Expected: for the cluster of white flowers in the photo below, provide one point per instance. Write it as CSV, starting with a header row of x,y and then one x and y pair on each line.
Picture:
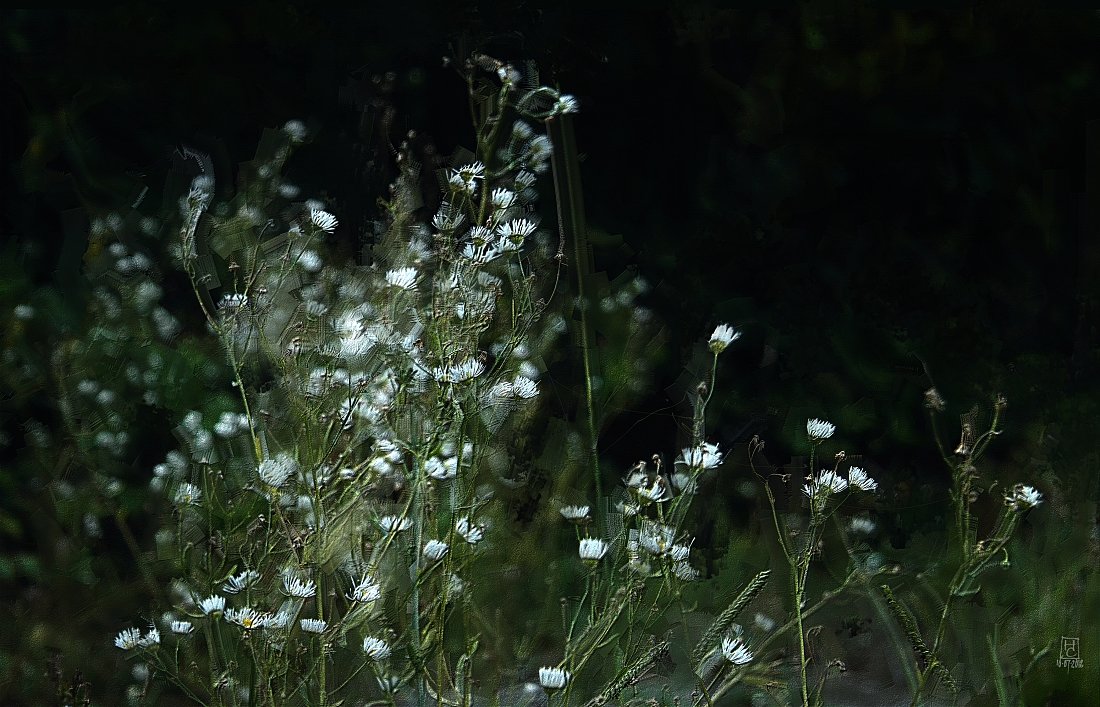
x,y
131,638
276,471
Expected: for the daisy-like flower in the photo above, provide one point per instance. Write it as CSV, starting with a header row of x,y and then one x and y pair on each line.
x,y
705,456
294,586
471,533
723,336
679,553
323,220
435,550
188,494
592,549
212,604
366,590
824,485
182,627
524,388
657,492
503,198
575,514
150,639
819,429
735,651
277,470
655,538
313,625
375,648
1022,497
516,230
467,370
553,678
470,172
128,639
685,572
239,582
278,620
394,524
403,278
247,618
859,479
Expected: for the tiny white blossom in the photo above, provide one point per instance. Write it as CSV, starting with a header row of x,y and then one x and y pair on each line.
x,y
182,627
435,549
566,104
723,336
705,456
150,639
403,278
376,648
188,494
313,625
212,604
553,678
735,651
442,469
239,582
524,388
1022,497
295,130
366,590
297,587
819,429
516,230
128,639
471,533
576,514
247,618
323,220
394,524
858,478
592,549
503,198
276,471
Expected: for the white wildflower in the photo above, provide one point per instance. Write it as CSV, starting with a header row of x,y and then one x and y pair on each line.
x,y
1022,497
150,639
575,514
394,524
366,590
435,550
212,604
735,651
182,627
275,471
471,533
442,469
566,104
503,198
313,625
705,456
247,618
858,478
376,648
685,572
403,278
723,336
239,582
525,388
188,494
553,678
592,549
128,639
861,525
323,220
295,586
819,429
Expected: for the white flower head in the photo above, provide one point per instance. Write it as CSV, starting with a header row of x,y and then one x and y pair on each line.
x,y
442,469
525,388
182,627
576,514
515,231
128,639
150,639
861,525
705,456
323,220
247,618
553,678
313,625
859,479
366,590
295,586
375,648
685,572
435,549
212,604
503,198
470,532
592,549
566,104
1022,497
188,494
819,429
239,582
822,486
723,336
403,278
275,471
735,651
394,524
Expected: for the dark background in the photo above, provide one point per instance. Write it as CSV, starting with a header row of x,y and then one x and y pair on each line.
x,y
871,195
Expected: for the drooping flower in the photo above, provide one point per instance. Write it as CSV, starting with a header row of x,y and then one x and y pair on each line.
x,y
735,651
366,590
239,582
212,604
705,456
723,336
313,625
403,278
295,586
819,429
470,532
